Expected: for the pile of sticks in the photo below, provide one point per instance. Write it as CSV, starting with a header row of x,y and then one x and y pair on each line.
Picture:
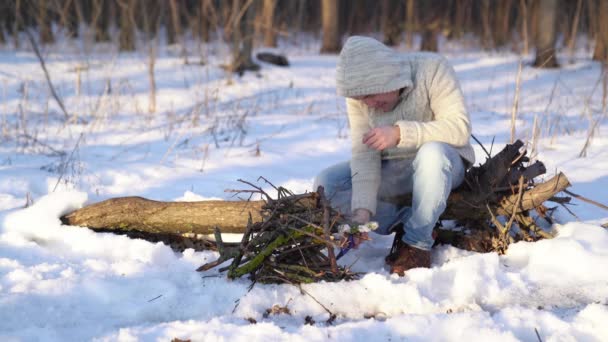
x,y
292,244
500,202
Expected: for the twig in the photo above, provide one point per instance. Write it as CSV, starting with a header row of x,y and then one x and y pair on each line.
x,y
330,252
314,236
516,101
480,144
497,223
331,314
584,199
538,335
155,298
46,74
54,152
517,204
310,234
256,187
570,211
68,161
268,182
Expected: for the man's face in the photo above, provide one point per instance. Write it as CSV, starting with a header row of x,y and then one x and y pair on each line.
x,y
384,101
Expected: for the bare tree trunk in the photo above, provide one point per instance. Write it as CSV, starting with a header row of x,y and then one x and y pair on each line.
x,y
209,19
429,40
546,35
330,18
390,21
177,28
268,23
44,23
127,25
301,13
2,37
410,15
100,20
486,33
68,17
18,24
501,21
600,52
242,21
175,18
431,25
151,23
574,29
460,18
524,17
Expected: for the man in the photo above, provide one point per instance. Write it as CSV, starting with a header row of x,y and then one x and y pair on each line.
x,y
410,134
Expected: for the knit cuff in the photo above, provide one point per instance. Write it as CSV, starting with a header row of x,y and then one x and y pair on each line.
x,y
408,132
364,197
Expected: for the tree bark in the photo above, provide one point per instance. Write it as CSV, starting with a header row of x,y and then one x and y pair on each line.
x,y
127,25
600,52
432,17
100,20
268,23
410,24
242,20
524,17
574,29
140,214
330,21
486,33
18,24
501,22
546,34
44,23
391,26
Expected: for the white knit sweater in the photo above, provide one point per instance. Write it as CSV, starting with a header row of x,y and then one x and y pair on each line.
x,y
431,108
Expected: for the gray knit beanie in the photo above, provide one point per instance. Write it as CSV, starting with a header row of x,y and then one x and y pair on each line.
x,y
366,66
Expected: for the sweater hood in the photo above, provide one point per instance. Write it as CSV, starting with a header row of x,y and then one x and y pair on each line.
x,y
366,66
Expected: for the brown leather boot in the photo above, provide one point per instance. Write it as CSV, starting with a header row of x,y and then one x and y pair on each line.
x,y
409,257
392,255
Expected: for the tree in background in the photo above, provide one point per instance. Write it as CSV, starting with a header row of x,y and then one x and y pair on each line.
x,y
493,22
100,19
600,53
44,23
430,21
331,42
127,24
546,34
391,21
268,23
241,27
410,23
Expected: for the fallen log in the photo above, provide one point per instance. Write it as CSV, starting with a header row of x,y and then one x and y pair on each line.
x,y
144,215
502,186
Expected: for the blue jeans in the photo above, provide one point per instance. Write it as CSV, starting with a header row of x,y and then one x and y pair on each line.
x,y
434,172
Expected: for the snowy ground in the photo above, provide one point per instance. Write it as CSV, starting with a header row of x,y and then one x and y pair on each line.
x,y
65,283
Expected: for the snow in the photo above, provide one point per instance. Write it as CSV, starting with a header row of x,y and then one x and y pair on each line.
x,y
286,124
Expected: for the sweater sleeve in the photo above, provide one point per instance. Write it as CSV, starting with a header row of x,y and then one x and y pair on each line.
x,y
365,162
451,123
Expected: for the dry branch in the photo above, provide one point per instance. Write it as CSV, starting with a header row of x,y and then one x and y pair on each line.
x,y
46,74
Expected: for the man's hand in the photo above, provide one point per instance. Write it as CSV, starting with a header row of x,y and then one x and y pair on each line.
x,y
381,138
361,216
